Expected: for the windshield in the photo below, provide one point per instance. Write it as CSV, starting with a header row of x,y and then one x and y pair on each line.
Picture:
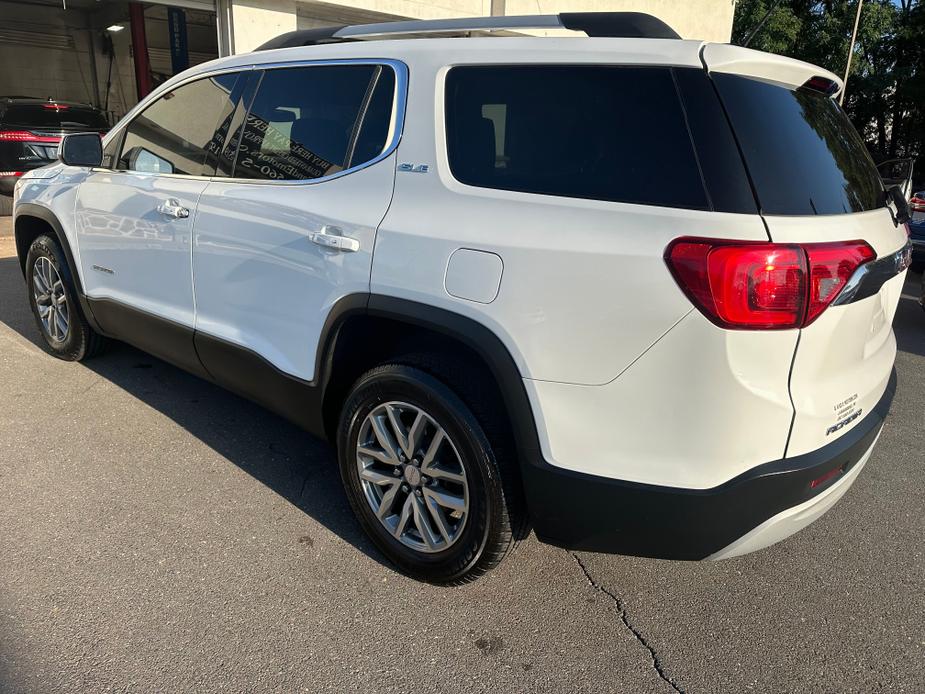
x,y
55,116
803,154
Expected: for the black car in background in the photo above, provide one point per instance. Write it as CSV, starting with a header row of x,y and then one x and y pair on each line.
x,y
30,130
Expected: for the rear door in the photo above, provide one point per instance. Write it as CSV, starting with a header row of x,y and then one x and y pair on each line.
x,y
291,232
816,183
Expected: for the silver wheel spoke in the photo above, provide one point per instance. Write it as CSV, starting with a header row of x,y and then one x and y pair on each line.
x,y
445,499
431,453
403,519
445,475
378,478
422,522
385,438
39,283
437,515
381,456
388,501
399,429
414,434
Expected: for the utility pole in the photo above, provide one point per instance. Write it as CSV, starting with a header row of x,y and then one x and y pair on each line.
x,y
854,35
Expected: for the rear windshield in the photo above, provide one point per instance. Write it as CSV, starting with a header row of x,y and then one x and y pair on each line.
x,y
608,133
48,116
803,154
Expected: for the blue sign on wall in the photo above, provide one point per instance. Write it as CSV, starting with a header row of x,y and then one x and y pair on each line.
x,y
179,48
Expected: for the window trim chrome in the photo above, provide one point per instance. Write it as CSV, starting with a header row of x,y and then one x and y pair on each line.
x,y
396,125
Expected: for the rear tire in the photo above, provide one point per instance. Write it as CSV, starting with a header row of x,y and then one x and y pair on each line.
x,y
54,303
445,516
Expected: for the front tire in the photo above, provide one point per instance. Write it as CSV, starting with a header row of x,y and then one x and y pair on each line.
x,y
53,299
421,476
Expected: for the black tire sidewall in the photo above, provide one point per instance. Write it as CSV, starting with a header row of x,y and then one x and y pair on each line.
x,y
486,498
75,346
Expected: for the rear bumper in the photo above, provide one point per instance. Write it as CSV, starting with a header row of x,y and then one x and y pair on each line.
x,y
755,509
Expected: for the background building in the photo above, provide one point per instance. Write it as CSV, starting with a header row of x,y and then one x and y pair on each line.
x,y
110,52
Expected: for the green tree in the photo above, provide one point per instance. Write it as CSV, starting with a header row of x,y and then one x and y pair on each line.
x,y
885,96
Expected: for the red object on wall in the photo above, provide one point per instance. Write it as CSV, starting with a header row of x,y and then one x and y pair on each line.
x,y
140,49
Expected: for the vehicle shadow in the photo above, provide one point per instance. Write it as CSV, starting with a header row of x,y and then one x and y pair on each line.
x,y
298,467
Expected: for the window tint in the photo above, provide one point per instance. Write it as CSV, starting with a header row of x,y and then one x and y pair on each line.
x,y
720,161
803,154
184,131
311,122
54,115
609,133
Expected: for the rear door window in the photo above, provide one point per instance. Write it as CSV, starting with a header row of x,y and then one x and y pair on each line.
x,y
804,156
184,131
315,121
601,132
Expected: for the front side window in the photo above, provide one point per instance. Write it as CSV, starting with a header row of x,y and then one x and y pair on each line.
x,y
600,132
184,131
315,121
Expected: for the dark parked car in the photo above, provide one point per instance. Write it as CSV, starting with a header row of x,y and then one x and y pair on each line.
x,y
917,236
30,130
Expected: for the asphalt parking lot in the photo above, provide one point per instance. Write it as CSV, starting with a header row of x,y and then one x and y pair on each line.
x,y
160,534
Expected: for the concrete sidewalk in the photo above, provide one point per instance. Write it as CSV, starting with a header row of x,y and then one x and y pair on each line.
x,y
7,247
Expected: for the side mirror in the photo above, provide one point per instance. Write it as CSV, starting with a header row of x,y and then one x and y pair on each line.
x,y
81,149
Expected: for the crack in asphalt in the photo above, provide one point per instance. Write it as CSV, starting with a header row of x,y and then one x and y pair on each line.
x,y
621,608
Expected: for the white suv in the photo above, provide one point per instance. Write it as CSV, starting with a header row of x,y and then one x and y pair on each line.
x,y
633,291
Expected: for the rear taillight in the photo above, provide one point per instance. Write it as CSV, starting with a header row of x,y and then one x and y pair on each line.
x,y
12,173
763,286
25,136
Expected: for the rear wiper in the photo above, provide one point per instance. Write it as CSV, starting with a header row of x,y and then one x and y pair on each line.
x,y
895,195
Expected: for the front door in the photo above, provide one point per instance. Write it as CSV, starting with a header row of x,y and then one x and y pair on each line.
x,y
134,218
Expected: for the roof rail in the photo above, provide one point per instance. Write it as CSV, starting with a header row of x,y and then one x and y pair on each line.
x,y
605,24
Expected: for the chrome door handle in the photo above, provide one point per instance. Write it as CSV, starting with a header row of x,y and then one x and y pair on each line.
x,y
172,208
333,238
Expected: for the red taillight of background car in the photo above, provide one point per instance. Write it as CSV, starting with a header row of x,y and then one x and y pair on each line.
x,y
26,136
763,286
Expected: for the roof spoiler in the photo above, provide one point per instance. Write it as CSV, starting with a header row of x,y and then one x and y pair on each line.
x,y
599,24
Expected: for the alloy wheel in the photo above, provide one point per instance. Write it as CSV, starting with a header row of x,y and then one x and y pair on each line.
x,y
412,477
50,299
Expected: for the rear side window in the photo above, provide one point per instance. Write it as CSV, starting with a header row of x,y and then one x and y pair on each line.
x,y
803,154
607,133
315,121
55,116
184,131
